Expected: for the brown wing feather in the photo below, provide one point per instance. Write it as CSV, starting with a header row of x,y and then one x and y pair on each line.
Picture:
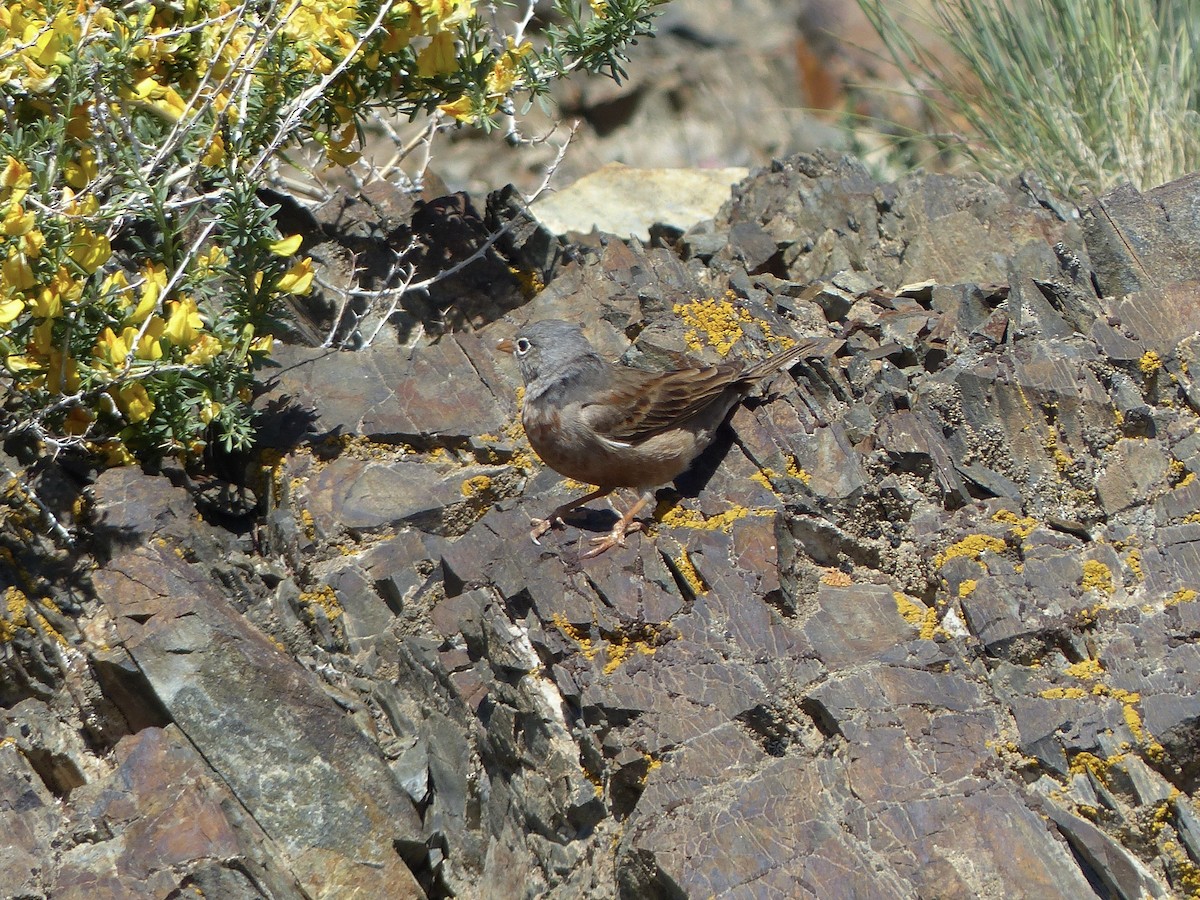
x,y
643,404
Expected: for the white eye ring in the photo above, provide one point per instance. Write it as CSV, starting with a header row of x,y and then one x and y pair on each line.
x,y
523,346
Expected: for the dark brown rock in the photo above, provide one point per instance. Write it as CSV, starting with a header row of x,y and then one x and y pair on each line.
x,y
312,780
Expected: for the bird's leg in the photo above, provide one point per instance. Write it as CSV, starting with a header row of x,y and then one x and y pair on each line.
x,y
541,526
616,537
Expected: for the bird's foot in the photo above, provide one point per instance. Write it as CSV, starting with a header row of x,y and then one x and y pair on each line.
x,y
541,526
615,538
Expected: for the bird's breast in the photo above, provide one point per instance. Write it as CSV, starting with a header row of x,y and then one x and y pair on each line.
x,y
570,446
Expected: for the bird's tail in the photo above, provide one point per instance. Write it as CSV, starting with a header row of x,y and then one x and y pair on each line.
x,y
785,359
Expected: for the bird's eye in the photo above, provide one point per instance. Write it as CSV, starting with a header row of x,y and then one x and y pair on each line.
x,y
523,346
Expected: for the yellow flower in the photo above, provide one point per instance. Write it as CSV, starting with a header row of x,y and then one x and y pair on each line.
x,y
80,172
205,349
337,148
461,109
150,346
10,309
210,259
23,363
43,338
298,279
286,246
438,58
62,289
399,34
161,99
16,271
115,453
440,14
80,124
110,348
209,410
15,180
78,420
17,221
31,244
89,250
215,154
48,304
50,41
134,402
154,279
40,79
184,324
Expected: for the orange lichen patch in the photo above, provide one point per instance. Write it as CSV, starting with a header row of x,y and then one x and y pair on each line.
x,y
1187,871
1133,719
972,546
923,618
652,763
836,578
1097,577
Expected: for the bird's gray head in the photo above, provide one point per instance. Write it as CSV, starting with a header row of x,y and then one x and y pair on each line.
x,y
548,348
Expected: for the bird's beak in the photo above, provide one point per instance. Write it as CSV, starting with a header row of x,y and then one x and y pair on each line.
x,y
506,345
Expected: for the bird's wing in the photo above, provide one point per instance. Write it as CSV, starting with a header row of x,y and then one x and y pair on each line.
x,y
642,404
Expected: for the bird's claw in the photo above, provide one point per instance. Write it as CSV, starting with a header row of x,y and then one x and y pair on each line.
x,y
615,538
541,526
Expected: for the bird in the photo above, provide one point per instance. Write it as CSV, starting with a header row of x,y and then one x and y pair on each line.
x,y
616,426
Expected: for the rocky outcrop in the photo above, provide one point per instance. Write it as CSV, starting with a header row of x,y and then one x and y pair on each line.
x,y
922,622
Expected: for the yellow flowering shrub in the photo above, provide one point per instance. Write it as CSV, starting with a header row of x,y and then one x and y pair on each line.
x,y
140,269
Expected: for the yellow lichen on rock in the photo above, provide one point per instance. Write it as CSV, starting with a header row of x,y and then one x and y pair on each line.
x,y
922,617
713,323
1183,595
324,597
1021,526
973,546
1097,577
16,607
576,633
1088,669
678,517
687,571
621,647
1060,693
476,485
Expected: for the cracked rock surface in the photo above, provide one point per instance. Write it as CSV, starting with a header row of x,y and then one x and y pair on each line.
x,y
922,622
